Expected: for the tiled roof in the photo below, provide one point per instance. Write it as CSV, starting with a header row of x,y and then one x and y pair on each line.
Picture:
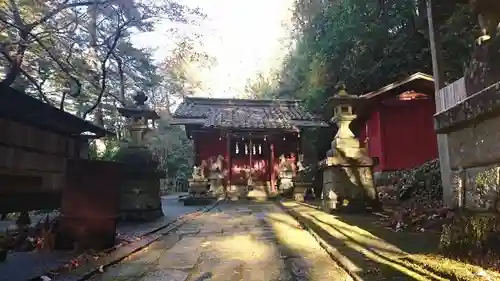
x,y
245,114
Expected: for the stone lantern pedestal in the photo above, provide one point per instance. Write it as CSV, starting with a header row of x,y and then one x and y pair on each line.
x,y
347,169
140,193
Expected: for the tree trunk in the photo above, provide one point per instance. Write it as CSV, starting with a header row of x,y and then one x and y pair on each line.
x,y
122,79
17,60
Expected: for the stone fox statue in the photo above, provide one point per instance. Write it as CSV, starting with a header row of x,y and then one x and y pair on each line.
x,y
488,17
216,166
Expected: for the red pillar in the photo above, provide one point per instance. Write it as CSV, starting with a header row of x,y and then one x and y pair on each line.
x,y
228,160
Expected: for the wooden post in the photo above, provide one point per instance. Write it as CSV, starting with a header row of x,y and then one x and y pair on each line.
x,y
250,151
442,139
435,45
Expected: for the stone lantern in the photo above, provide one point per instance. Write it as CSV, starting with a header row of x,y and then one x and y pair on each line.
x,y
343,115
139,115
347,170
140,194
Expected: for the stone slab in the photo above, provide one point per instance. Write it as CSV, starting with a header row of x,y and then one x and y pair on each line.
x,y
189,231
274,270
166,275
180,261
228,270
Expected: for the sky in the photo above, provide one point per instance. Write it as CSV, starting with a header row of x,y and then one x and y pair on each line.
x,y
244,36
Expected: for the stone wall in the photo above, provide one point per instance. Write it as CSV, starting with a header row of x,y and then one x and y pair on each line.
x,y
475,163
475,145
482,187
472,127
476,151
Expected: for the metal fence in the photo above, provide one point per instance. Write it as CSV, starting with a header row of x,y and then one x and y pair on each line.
x,y
174,185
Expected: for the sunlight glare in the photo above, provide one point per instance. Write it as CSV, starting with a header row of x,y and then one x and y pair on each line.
x,y
244,36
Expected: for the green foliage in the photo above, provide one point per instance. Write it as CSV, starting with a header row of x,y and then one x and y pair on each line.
x,y
173,149
262,87
471,234
365,45
106,150
368,44
80,57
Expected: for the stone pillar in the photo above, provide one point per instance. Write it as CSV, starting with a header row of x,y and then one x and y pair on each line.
x,y
347,170
137,126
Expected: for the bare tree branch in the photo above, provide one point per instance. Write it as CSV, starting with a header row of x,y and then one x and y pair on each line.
x,y
104,68
31,79
121,76
61,65
63,98
17,15
63,7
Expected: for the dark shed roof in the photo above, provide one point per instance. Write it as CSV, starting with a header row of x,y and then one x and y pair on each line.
x,y
245,114
19,107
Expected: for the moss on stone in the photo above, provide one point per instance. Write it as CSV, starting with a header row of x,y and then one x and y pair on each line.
x,y
137,158
140,192
471,234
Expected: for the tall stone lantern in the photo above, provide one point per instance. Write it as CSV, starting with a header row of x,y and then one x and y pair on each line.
x,y
347,169
140,194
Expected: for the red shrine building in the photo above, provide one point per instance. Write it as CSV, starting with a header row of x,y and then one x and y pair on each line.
x,y
252,136
395,123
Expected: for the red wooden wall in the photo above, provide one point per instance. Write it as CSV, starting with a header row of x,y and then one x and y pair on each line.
x,y
401,134
213,143
209,145
371,129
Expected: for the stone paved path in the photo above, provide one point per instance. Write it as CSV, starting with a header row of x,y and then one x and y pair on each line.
x,y
236,241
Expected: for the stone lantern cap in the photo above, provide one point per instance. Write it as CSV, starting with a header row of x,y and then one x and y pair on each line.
x,y
343,98
342,105
139,109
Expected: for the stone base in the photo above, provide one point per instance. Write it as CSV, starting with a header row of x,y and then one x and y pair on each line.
x,y
329,205
286,186
300,190
198,187
350,187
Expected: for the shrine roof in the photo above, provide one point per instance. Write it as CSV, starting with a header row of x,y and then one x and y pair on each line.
x,y
20,107
245,114
416,82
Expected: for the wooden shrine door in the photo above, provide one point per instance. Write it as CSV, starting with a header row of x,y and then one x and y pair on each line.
x,y
250,157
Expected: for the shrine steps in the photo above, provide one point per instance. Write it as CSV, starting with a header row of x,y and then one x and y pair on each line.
x,y
254,193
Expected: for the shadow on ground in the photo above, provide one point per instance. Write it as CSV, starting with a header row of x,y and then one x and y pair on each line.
x,y
421,243
379,253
